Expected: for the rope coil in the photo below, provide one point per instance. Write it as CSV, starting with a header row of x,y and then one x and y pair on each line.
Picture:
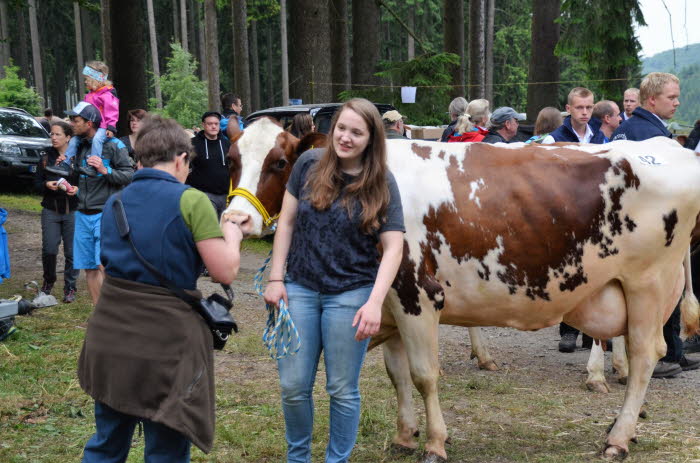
x,y
280,336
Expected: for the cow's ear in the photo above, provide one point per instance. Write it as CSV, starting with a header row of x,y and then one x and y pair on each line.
x,y
312,140
233,131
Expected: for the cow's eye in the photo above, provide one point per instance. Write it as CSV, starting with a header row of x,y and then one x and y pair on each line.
x,y
281,164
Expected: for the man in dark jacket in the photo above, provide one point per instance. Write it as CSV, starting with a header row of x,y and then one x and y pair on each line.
x,y
210,166
579,126
503,125
114,171
659,93
659,103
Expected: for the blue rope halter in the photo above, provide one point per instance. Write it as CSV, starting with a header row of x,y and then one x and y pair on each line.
x,y
280,333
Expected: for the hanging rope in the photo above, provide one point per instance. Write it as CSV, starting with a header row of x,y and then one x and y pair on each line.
x,y
280,336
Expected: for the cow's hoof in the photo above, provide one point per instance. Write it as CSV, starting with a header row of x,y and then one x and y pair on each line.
x,y
614,453
622,380
430,457
598,386
399,450
643,414
490,366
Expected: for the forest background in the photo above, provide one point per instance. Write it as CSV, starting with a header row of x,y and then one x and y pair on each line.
x,y
521,53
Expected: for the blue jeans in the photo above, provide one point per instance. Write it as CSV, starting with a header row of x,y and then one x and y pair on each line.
x,y
324,322
95,150
112,441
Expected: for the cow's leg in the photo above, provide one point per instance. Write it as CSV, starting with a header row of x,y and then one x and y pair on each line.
x,y
420,337
396,362
480,351
596,369
647,308
619,359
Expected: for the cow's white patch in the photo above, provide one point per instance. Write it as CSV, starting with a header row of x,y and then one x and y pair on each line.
x,y
254,145
475,185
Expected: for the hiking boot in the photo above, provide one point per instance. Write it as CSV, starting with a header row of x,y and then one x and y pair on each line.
x,y
689,363
666,370
46,288
69,296
87,170
61,170
568,342
692,344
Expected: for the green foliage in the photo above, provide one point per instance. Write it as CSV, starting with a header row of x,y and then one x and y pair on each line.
x,y
601,34
15,92
689,110
430,73
184,94
511,54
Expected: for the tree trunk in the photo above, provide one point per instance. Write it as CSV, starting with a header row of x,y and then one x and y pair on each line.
x,y
78,49
365,43
488,67
241,68
176,21
477,49
36,52
544,64
191,34
411,45
202,47
88,42
255,67
128,37
183,24
58,98
270,85
106,30
453,41
212,53
340,56
154,53
4,38
284,51
310,63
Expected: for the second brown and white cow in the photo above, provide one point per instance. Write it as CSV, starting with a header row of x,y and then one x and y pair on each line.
x,y
518,236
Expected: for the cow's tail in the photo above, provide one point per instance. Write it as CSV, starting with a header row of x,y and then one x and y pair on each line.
x,y
690,309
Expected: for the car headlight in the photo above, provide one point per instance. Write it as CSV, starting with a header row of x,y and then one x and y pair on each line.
x,y
10,149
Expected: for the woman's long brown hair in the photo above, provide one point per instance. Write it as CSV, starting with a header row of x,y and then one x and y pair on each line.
x,y
370,189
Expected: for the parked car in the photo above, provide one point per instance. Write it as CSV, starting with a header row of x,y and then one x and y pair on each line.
x,y
23,141
322,113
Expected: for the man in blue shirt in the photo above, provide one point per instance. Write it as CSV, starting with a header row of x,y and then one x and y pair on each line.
x,y
659,93
580,126
608,113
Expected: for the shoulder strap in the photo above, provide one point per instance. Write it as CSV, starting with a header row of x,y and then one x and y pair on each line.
x,y
125,233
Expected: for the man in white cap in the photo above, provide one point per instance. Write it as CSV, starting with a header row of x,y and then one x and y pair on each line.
x,y
393,125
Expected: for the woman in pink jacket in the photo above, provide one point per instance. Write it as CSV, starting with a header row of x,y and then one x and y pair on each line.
x,y
103,96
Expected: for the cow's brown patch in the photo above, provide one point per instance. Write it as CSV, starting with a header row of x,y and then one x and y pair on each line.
x,y
406,285
670,221
548,207
421,151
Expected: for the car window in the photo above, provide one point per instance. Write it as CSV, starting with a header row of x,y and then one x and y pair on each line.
x,y
23,126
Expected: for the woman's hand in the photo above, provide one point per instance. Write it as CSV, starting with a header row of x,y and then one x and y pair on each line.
x,y
367,319
60,158
53,185
275,291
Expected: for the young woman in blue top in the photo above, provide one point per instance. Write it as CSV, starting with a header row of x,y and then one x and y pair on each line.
x,y
341,202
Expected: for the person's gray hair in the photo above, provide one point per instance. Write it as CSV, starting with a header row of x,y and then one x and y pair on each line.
x,y
479,111
457,107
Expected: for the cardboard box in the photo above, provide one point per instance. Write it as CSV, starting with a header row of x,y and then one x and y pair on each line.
x,y
425,132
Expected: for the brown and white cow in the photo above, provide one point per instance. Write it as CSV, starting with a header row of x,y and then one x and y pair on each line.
x,y
518,236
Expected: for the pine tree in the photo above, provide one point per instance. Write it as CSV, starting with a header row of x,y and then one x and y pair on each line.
x,y
15,93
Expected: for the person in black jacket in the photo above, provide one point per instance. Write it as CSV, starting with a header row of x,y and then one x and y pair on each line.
x,y
210,166
57,215
503,125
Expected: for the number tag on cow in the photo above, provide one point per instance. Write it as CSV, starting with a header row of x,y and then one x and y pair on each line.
x,y
651,160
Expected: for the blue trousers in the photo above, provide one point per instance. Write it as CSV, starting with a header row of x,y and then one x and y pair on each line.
x,y
112,440
324,322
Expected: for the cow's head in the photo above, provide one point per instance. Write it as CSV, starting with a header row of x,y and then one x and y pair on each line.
x,y
261,158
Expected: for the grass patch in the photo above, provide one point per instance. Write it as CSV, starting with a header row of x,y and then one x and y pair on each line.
x,y
22,202
256,245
